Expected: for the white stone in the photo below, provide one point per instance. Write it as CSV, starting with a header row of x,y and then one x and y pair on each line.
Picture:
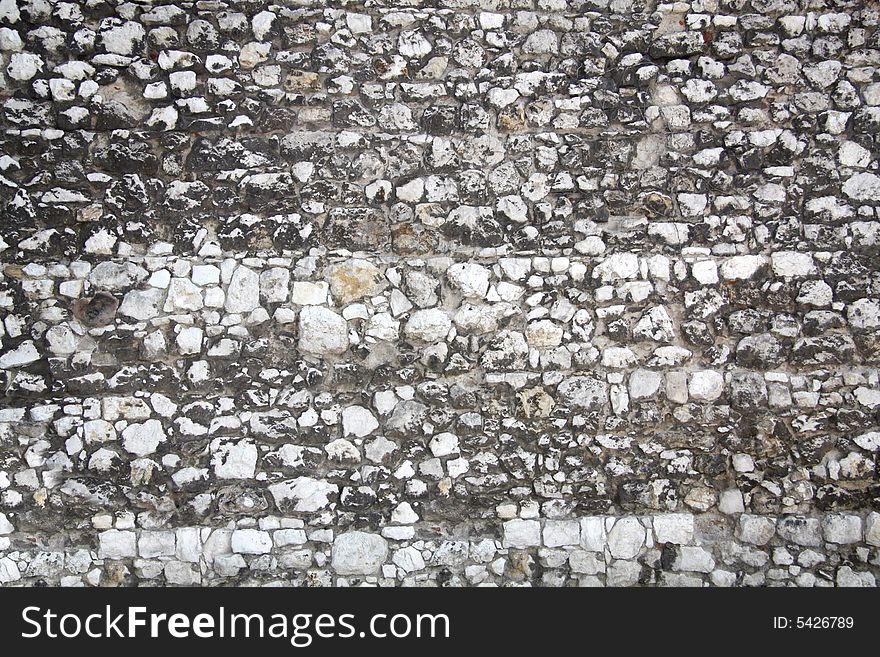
x,y
815,293
695,559
156,91
583,392
182,82
863,187
358,421
253,53
755,530
183,294
403,514
9,571
309,494
98,431
116,276
740,268
593,536
243,293
513,207
622,573
383,326
868,441
490,20
705,385
619,265
626,538
358,553
705,272
618,357
251,541
851,154
188,544
674,528
644,383
189,340
864,314
412,191
205,275
692,205
306,293
470,279
143,439
541,42
409,559
656,324
847,577
413,44
559,533
322,332
123,39
115,544
285,537
6,527
731,501
429,325
501,98
872,529
869,397
842,528
24,354
142,305
160,279
747,90
234,460
516,269
342,450
262,23
24,66
153,544
359,23
444,444
792,263
743,463
10,41
544,333
519,533
699,91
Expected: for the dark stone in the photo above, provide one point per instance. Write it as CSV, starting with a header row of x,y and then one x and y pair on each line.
x,y
95,311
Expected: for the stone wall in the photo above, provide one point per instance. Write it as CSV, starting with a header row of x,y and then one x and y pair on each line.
x,y
450,292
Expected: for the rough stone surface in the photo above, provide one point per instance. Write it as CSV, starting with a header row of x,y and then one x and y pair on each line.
x,y
359,553
453,292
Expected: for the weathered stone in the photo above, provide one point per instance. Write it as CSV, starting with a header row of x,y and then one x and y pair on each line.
x,y
427,325
626,538
358,553
303,494
755,530
454,276
521,533
243,293
799,530
583,393
674,528
322,332
353,280
842,528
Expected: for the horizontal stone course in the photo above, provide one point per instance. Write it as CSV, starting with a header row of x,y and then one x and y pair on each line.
x,y
678,549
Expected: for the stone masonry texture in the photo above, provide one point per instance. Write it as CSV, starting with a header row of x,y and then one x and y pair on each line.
x,y
440,293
